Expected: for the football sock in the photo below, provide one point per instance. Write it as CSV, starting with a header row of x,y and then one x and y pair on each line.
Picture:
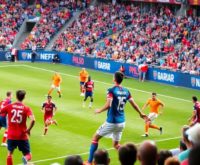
x,y
59,92
117,146
50,91
9,160
154,127
4,137
93,148
28,156
45,130
146,128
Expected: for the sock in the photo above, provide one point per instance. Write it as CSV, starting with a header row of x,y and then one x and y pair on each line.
x,y
4,137
9,160
154,127
147,128
93,148
50,91
59,92
45,130
28,156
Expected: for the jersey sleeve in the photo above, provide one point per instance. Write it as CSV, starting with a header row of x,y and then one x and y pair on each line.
x,y
54,105
4,110
109,93
29,111
43,105
129,96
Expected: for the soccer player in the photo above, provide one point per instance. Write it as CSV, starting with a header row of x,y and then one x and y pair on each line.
x,y
49,109
57,79
89,87
154,104
3,120
195,118
117,97
17,130
83,76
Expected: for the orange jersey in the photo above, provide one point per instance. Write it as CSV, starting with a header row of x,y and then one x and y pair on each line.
x,y
57,80
154,105
83,76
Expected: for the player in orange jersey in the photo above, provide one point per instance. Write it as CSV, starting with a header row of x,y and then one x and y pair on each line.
x,y
83,76
154,105
57,79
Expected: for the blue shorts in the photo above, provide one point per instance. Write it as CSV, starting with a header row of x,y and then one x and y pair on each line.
x,y
88,94
23,146
3,122
82,83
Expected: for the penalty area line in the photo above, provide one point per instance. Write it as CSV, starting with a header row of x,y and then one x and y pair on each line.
x,y
85,153
138,90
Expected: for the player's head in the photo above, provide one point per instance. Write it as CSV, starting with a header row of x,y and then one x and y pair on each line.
x,y
49,98
127,154
74,160
194,99
20,95
9,94
118,77
154,95
101,156
89,78
83,69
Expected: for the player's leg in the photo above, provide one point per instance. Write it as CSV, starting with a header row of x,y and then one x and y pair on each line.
x,y
117,135
91,101
58,91
51,89
46,126
12,144
24,147
4,139
85,98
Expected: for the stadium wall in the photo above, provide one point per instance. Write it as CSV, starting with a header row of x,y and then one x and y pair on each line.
x,y
131,70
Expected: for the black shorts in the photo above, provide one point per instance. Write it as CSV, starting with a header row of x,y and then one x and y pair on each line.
x,y
23,146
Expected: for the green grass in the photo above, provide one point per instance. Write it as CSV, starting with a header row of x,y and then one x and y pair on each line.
x,y
77,124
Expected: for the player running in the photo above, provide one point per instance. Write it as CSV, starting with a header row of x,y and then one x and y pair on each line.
x,y
49,109
57,79
154,104
89,87
117,97
83,76
17,130
3,119
195,118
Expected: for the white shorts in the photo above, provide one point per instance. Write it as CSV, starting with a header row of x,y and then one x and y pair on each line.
x,y
152,116
111,130
55,87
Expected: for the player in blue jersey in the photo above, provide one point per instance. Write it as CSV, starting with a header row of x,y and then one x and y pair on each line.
x,y
117,97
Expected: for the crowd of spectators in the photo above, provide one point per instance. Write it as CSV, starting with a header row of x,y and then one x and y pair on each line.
x,y
53,15
95,23
12,15
147,152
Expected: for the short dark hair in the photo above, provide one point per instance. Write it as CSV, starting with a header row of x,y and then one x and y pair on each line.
x,y
49,97
20,94
194,98
119,76
194,157
89,78
8,94
162,156
128,154
101,156
154,93
73,160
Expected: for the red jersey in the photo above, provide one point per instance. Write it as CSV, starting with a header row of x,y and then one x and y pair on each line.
x,y
197,109
17,116
3,104
48,109
89,86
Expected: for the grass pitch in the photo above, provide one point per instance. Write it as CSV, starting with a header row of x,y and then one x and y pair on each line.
x,y
76,125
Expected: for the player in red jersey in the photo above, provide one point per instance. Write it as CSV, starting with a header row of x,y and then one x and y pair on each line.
x,y
17,130
89,87
49,109
3,120
195,118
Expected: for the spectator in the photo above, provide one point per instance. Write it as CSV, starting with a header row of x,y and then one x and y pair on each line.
x,y
147,153
163,155
56,59
128,154
74,160
101,157
194,157
172,161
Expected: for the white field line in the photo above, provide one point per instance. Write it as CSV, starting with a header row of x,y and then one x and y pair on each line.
x,y
69,75
85,153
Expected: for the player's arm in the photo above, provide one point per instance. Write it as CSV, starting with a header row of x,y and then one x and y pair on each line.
x,y
145,105
43,108
32,123
105,107
192,117
161,108
137,109
54,110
